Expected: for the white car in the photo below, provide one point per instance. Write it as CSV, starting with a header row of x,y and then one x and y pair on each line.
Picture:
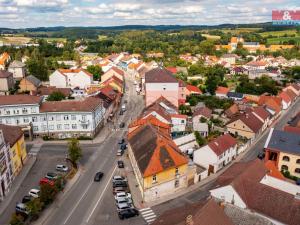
x,y
118,178
34,193
123,200
62,168
123,195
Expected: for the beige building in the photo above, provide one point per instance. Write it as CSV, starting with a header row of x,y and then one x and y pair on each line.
x,y
114,71
30,83
6,82
17,68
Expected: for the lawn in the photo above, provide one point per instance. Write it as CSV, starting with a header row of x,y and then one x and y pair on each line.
x,y
15,39
55,39
102,37
282,39
212,37
240,30
279,33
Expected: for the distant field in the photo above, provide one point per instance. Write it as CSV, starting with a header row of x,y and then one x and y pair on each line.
x,y
213,37
15,39
102,37
282,39
54,39
279,33
240,30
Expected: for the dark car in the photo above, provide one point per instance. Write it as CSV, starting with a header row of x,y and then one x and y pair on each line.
x,y
26,198
51,176
123,147
98,176
127,213
121,113
120,189
120,164
122,141
298,182
122,125
261,155
120,184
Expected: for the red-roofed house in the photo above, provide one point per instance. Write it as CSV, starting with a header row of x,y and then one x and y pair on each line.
x,y
4,59
221,92
114,71
192,90
217,154
172,69
285,99
272,103
181,92
294,87
71,78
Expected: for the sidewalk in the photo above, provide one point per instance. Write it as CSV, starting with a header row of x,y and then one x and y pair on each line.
x,y
17,182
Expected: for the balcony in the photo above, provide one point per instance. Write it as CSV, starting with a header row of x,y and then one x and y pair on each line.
x,y
84,122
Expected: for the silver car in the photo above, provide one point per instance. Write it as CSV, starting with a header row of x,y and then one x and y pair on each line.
x,y
123,206
123,200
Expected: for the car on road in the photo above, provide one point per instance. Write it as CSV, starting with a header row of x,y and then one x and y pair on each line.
x,y
98,176
120,164
122,125
127,213
123,206
123,200
123,147
26,198
261,155
34,192
120,152
122,141
298,181
122,195
22,209
119,189
118,178
120,184
62,168
121,113
46,181
123,108
51,176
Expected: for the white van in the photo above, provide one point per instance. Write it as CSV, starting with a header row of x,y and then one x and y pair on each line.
x,y
123,107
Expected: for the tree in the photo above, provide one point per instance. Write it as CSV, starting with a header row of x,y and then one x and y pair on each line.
x,y
96,71
16,220
74,150
38,68
200,140
56,96
48,193
34,207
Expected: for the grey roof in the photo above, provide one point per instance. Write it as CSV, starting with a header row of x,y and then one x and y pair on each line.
x,y
235,95
284,141
36,82
5,74
16,64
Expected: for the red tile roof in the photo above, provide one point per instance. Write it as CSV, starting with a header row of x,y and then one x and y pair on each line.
x,y
291,94
181,83
172,69
203,111
261,112
222,90
49,90
273,171
222,143
256,63
159,75
179,116
64,71
271,101
87,105
5,74
285,97
117,70
19,99
11,134
193,89
154,151
232,111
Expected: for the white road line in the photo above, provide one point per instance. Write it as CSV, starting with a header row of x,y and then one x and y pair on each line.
x,y
109,180
150,221
77,203
147,213
150,217
144,209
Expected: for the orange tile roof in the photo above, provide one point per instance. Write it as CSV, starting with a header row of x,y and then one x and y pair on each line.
x,y
271,101
179,116
3,58
285,97
273,171
117,70
222,90
234,40
193,89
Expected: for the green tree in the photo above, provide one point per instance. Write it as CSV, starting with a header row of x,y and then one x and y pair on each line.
x,y
200,140
74,150
48,193
16,219
38,68
96,71
56,96
34,207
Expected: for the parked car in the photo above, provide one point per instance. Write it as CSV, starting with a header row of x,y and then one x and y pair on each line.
x,y
62,168
120,152
123,200
26,198
47,181
122,195
34,193
123,108
298,181
121,113
120,184
118,178
98,176
122,125
21,209
51,176
123,147
119,189
123,206
122,141
261,155
127,213
120,164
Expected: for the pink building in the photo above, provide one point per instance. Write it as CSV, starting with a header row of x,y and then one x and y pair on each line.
x,y
161,82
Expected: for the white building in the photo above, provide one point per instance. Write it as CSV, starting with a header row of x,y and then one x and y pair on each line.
x,y
54,119
217,154
6,174
71,78
17,68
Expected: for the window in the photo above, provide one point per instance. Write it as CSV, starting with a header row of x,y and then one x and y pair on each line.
x,y
154,179
164,88
51,127
35,128
298,161
73,117
67,126
66,117
16,111
176,183
44,127
43,118
286,158
297,170
51,118
74,126
58,117
33,110
7,112
84,118
176,171
84,126
182,121
25,110
34,119
284,167
59,126
26,120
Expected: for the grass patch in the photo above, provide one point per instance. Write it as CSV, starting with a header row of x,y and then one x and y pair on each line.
x,y
15,39
279,40
241,30
212,37
55,39
102,37
279,33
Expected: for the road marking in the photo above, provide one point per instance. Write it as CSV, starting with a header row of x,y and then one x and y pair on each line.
x,y
109,180
148,215
77,203
144,209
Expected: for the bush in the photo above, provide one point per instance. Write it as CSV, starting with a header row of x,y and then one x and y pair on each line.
x,y
48,194
16,219
35,206
200,140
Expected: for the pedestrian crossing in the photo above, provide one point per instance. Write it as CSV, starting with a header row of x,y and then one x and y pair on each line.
x,y
35,149
148,215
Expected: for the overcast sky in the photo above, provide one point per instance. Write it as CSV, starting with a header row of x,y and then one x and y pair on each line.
x,y
33,13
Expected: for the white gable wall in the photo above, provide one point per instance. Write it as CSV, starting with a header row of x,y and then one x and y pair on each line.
x,y
58,80
205,156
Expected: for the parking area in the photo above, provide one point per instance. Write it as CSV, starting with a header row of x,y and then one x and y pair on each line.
x,y
47,159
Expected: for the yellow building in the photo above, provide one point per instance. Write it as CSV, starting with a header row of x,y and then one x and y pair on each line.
x,y
159,166
14,136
